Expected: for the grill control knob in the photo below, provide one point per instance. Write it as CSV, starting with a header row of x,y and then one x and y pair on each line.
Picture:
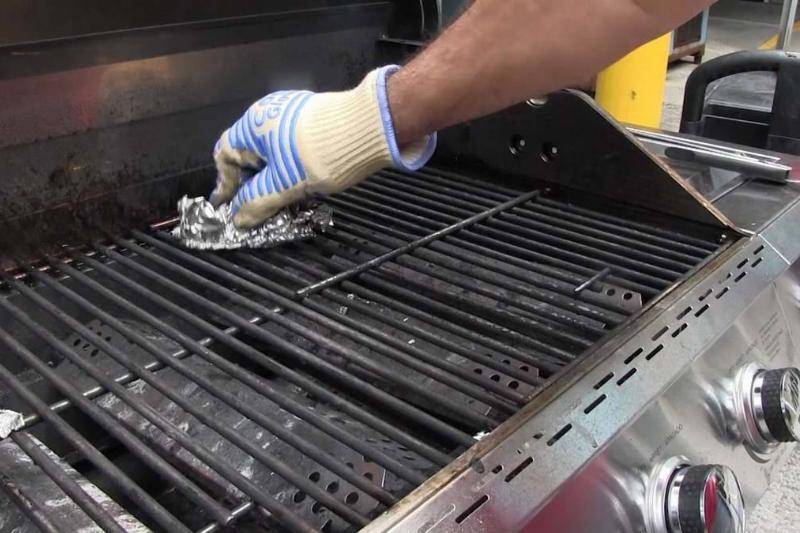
x,y
704,499
776,404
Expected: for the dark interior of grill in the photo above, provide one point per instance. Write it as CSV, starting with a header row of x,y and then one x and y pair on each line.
x,y
312,386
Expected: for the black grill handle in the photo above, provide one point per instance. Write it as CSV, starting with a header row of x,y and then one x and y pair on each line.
x,y
721,67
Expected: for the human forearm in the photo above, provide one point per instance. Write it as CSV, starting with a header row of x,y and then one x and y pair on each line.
x,y
501,52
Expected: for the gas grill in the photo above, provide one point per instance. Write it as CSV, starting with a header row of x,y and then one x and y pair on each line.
x,y
546,324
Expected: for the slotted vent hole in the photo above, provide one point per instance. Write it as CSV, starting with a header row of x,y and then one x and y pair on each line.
x,y
561,432
659,333
626,377
633,356
680,330
592,406
654,352
472,508
519,468
603,381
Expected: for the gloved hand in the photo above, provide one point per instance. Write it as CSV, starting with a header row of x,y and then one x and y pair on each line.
x,y
292,144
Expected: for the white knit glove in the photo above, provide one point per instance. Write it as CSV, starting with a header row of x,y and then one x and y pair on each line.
x,y
292,144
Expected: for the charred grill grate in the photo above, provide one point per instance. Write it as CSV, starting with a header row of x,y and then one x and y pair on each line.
x,y
313,386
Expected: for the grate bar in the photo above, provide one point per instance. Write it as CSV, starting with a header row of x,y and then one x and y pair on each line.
x,y
446,252
464,413
673,237
298,442
573,248
125,378
70,487
627,250
367,340
417,331
543,333
76,440
493,241
257,357
623,225
480,336
537,274
548,305
449,286
415,244
556,248
181,482
32,509
286,403
540,353
239,511
555,218
369,390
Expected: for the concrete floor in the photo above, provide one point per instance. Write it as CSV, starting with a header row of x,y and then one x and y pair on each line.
x,y
741,25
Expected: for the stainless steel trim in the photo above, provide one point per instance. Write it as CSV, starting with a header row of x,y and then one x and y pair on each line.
x,y
656,500
673,499
758,408
745,410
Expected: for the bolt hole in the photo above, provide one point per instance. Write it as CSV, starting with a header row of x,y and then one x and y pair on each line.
x,y
332,487
513,384
611,292
351,498
627,296
369,475
299,496
479,371
316,508
314,476
525,368
495,377
549,152
518,145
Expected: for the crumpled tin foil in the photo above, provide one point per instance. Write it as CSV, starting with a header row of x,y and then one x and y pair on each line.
x,y
10,421
204,227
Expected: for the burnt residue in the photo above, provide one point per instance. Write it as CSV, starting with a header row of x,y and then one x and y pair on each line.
x,y
87,217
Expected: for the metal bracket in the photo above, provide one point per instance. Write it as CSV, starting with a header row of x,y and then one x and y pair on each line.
x,y
568,140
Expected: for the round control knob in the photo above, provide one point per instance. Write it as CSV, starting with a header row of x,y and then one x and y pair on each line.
x,y
776,404
704,499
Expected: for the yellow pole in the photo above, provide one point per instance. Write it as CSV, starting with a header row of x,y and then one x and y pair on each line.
x,y
632,89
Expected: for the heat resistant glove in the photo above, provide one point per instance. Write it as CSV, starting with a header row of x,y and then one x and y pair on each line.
x,y
292,144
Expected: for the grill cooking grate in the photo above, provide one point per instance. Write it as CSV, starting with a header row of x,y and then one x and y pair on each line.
x,y
312,386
